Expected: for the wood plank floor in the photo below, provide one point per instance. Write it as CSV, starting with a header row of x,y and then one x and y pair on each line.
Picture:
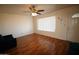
x,y
36,44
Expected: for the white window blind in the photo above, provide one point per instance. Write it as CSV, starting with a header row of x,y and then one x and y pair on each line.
x,y
47,24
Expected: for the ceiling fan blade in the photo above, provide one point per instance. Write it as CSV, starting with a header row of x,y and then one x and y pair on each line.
x,y
40,10
30,8
39,13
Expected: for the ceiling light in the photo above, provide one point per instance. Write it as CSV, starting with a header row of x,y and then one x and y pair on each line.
x,y
34,14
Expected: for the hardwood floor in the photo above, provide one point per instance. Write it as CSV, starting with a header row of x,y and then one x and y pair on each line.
x,y
36,44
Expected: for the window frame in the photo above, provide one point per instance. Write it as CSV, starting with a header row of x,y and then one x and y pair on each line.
x,y
47,18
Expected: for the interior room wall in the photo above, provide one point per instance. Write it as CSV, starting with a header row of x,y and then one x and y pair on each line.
x,y
18,25
74,30
63,19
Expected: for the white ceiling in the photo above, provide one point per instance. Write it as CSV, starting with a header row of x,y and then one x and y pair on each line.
x,y
21,8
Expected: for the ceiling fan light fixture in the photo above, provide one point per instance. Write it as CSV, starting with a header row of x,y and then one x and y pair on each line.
x,y
34,14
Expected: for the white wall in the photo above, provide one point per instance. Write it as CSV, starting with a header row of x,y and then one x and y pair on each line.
x,y
18,25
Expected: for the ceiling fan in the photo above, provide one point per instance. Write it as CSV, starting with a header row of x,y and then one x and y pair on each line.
x,y
34,11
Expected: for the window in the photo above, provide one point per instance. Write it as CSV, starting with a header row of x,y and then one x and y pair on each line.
x,y
47,24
